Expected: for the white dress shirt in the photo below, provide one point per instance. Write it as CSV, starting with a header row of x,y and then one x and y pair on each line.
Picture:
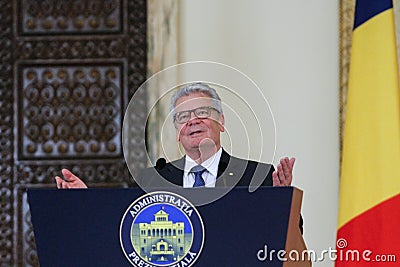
x,y
209,176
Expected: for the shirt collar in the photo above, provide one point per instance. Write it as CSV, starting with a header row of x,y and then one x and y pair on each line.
x,y
210,164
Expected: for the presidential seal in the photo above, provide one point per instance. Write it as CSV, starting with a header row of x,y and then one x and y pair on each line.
x,y
161,229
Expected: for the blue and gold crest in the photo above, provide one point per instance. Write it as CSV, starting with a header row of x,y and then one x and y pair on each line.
x,y
161,229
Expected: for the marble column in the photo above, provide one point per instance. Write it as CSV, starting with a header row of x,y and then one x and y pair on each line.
x,y
162,53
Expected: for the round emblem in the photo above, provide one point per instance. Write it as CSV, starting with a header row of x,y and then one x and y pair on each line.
x,y
161,229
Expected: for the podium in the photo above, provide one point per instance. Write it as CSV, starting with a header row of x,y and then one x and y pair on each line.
x,y
82,227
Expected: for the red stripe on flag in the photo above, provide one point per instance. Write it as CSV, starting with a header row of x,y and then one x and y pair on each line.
x,y
376,230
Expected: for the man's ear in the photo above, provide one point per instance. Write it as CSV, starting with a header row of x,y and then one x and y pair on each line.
x,y
222,123
178,129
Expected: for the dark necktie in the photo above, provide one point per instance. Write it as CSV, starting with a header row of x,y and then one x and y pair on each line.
x,y
198,171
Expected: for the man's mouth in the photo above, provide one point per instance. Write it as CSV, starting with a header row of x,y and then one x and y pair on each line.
x,y
196,132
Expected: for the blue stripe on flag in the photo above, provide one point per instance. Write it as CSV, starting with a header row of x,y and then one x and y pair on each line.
x,y
366,9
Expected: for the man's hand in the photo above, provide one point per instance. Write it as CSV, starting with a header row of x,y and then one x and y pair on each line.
x,y
70,181
283,175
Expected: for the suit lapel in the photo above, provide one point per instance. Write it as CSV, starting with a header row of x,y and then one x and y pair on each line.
x,y
230,170
223,163
226,171
173,171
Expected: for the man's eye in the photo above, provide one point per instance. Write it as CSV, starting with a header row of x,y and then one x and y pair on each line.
x,y
202,112
183,116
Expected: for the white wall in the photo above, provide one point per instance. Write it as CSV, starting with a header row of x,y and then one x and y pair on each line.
x,y
290,49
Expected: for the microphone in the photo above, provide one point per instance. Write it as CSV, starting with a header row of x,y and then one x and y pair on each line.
x,y
160,164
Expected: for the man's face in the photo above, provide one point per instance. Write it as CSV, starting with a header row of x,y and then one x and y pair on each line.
x,y
198,131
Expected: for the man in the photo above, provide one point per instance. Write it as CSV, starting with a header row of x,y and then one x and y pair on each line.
x,y
199,120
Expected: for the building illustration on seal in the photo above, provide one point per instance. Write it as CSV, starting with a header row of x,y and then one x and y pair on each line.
x,y
161,240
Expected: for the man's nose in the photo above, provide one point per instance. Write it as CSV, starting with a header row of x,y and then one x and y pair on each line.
x,y
193,118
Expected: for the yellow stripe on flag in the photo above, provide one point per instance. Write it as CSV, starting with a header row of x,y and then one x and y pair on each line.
x,y
371,146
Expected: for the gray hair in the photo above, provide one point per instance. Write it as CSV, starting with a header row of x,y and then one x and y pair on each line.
x,y
197,88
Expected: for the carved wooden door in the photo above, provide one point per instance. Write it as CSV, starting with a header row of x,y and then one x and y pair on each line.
x,y
68,70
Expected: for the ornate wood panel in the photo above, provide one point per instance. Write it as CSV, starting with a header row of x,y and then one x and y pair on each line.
x,y
68,70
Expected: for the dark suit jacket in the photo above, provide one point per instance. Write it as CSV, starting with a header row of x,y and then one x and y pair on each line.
x,y
232,171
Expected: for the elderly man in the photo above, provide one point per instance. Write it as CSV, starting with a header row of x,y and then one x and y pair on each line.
x,y
199,121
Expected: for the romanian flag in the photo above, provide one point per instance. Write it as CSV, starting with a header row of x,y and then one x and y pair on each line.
x,y
369,210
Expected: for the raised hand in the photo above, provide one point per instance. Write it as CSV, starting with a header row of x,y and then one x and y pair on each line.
x,y
70,180
284,174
